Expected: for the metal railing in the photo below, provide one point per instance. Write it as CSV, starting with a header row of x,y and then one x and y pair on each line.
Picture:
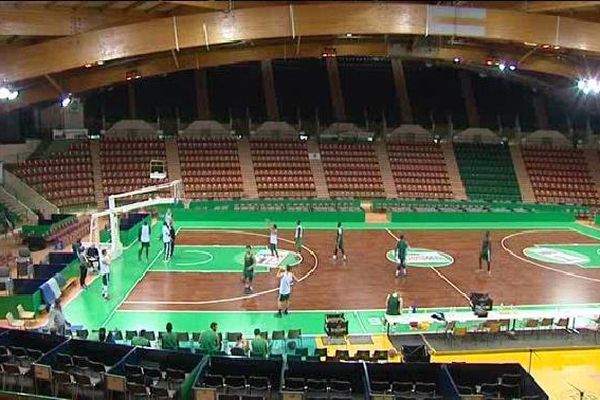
x,y
30,216
27,195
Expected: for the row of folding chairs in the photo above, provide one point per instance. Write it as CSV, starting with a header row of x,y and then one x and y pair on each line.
x,y
275,177
45,170
211,173
347,159
209,159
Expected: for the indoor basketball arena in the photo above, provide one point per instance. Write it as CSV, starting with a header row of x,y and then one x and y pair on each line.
x,y
298,200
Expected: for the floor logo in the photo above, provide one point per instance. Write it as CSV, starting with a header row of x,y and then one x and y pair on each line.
x,y
556,255
265,259
416,257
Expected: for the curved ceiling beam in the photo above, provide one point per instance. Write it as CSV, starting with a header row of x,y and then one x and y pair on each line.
x,y
216,28
163,64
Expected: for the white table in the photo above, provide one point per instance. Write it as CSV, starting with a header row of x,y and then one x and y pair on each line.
x,y
506,313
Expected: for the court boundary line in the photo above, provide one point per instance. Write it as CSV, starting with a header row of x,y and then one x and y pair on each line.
x,y
112,313
238,298
566,273
438,273
360,322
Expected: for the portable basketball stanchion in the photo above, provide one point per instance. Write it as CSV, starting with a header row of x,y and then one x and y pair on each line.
x,y
113,212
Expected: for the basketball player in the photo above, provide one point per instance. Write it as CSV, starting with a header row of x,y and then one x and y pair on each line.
x,y
166,239
339,242
273,241
486,251
249,264
286,279
144,237
105,272
401,250
299,237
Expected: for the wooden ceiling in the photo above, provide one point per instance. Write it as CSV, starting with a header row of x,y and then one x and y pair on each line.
x,y
45,45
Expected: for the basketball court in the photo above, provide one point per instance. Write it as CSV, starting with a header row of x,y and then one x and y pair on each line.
x,y
544,268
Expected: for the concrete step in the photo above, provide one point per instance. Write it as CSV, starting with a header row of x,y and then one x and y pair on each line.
x,y
456,183
527,194
97,173
316,166
593,163
173,165
389,184
247,169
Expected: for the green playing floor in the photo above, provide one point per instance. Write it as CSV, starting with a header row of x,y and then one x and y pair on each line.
x,y
188,258
90,310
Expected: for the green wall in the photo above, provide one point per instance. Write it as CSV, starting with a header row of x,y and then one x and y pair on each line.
x,y
442,217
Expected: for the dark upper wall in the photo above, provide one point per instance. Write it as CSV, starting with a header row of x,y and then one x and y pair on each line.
x,y
302,85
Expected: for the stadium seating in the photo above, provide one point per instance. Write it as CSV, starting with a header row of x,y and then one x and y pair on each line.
x,y
64,178
282,168
487,172
126,164
559,175
352,170
210,168
419,171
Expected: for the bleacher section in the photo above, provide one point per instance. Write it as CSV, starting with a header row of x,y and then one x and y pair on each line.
x,y
352,170
559,175
419,171
58,366
487,172
210,168
64,178
126,164
282,169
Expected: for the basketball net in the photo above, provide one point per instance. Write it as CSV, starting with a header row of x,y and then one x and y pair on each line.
x,y
166,193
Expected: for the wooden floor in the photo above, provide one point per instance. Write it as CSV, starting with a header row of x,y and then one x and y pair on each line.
x,y
365,280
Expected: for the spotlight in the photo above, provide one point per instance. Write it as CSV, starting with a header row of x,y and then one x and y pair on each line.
x,y
348,35
456,60
501,66
7,94
133,74
66,100
512,67
556,47
589,85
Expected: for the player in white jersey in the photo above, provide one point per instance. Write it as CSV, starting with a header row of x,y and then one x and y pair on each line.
x,y
105,262
273,238
286,280
299,237
144,238
166,239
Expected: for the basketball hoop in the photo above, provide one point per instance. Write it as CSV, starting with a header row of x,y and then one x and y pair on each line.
x,y
114,211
